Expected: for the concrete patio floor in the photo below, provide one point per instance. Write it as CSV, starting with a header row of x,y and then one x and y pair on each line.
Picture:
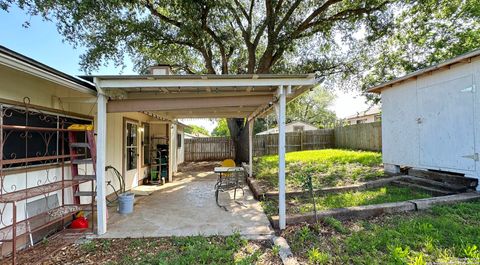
x,y
187,207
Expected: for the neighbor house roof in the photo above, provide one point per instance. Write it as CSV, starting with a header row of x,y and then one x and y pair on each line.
x,y
459,59
293,123
28,65
371,111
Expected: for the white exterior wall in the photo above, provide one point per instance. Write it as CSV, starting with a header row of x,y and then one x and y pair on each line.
x,y
16,85
402,105
365,119
116,149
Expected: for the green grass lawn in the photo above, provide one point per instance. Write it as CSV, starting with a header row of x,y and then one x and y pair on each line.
x,y
442,235
303,204
328,167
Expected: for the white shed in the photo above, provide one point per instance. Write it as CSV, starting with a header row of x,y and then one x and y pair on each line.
x,y
431,118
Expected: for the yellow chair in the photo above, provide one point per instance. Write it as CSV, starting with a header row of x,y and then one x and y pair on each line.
x,y
228,163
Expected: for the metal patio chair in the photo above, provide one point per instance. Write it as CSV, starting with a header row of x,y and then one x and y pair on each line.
x,y
233,179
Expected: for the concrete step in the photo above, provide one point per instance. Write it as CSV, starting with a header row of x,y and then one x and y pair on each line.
x,y
82,161
79,145
85,193
85,177
433,191
469,183
434,184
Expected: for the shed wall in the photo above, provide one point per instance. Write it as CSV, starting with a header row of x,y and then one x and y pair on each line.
x,y
401,109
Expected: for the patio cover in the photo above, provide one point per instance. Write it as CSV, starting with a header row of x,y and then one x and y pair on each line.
x,y
196,96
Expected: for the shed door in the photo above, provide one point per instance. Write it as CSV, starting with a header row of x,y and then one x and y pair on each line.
x,y
446,125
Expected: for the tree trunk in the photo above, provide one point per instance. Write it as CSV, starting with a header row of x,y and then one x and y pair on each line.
x,y
239,134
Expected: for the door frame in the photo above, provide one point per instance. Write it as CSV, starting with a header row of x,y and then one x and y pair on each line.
x,y
124,147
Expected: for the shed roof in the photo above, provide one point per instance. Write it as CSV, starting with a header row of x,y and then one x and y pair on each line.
x,y
459,59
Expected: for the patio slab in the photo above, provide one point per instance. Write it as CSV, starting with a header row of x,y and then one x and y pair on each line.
x,y
187,207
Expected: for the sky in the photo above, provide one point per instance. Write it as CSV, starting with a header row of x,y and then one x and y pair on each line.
x,y
42,42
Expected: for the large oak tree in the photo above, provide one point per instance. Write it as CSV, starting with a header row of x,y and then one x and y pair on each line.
x,y
218,36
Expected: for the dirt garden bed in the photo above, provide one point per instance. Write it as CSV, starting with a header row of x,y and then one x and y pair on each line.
x,y
172,250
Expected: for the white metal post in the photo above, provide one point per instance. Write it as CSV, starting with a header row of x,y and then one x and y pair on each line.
x,y
281,113
250,147
100,169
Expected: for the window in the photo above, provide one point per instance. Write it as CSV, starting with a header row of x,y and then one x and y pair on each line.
x,y
179,141
18,144
146,143
131,145
361,121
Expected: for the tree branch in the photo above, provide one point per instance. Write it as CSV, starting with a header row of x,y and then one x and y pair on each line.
x,y
215,38
162,17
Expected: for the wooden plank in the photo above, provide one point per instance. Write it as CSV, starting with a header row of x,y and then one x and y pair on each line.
x,y
367,136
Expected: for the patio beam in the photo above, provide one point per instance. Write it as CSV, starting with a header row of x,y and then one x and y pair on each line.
x,y
280,107
168,104
100,163
200,94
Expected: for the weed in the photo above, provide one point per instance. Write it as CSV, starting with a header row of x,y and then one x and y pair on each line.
x,y
317,257
335,224
135,243
105,244
417,260
471,251
305,234
398,255
429,246
89,246
275,250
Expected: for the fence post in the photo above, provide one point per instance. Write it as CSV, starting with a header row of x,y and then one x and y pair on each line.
x,y
301,140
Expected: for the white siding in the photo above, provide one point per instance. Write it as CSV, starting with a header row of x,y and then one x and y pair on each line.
x,y
401,108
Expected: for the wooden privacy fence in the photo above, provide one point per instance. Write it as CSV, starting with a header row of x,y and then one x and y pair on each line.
x,y
365,136
294,141
208,149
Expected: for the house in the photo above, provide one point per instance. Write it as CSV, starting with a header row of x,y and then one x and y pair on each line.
x,y
36,96
296,126
430,117
371,115
195,135
135,118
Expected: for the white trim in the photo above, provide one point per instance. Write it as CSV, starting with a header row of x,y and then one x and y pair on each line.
x,y
29,69
142,82
250,147
100,169
280,106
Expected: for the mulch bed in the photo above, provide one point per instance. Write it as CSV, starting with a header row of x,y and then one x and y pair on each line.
x,y
57,250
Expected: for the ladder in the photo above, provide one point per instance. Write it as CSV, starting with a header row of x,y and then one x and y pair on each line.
x,y
90,147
